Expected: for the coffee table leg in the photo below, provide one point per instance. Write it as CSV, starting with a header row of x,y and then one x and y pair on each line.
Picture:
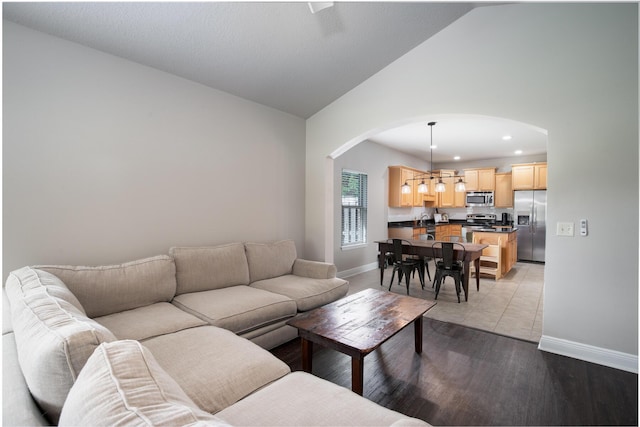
x,y
417,326
357,374
307,354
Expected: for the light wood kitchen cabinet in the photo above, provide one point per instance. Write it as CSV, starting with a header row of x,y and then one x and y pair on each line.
x,y
459,197
418,231
504,191
508,246
529,176
449,198
398,175
540,177
480,179
445,230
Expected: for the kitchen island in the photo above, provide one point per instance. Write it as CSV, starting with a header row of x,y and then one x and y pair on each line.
x,y
506,237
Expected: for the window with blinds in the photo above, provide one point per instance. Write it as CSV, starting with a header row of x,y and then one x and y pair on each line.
x,y
354,208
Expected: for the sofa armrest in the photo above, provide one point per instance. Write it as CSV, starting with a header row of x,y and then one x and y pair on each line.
x,y
314,269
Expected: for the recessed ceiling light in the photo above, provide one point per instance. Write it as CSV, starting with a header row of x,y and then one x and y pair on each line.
x,y
456,158
506,138
518,152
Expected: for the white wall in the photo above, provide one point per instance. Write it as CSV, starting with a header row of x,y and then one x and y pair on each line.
x,y
571,69
106,161
372,159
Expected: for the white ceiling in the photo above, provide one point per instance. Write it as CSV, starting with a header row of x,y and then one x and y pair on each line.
x,y
280,55
468,136
274,53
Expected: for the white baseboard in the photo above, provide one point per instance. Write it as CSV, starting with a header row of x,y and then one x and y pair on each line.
x,y
353,271
601,356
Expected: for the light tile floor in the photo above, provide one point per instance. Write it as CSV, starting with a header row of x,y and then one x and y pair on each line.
x,y
511,306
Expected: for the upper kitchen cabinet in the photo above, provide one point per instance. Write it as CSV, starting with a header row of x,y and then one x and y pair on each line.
x,y
449,198
480,179
398,175
529,176
504,192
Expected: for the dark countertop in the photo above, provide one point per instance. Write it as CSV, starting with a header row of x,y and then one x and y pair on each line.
x,y
429,223
500,229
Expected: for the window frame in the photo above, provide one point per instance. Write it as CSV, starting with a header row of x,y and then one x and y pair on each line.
x,y
353,229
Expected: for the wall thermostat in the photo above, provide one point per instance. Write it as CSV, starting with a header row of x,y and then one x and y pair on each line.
x,y
583,227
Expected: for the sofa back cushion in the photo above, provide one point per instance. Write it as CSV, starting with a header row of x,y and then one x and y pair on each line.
x,y
53,336
212,267
269,260
122,384
114,288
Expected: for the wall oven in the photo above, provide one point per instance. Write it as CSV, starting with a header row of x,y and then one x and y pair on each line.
x,y
479,198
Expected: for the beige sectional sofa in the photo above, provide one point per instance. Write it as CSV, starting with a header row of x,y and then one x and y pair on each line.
x,y
174,339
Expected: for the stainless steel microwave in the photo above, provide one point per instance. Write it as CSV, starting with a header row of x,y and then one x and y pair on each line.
x,y
479,198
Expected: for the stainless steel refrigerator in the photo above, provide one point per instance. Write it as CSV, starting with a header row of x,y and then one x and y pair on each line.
x,y
530,208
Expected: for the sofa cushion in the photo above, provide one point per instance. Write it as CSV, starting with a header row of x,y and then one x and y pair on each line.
x,y
122,384
215,367
150,321
306,292
239,309
268,260
301,399
114,288
206,268
18,407
54,338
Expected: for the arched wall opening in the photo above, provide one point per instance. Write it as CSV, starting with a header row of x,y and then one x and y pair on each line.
x,y
362,155
498,62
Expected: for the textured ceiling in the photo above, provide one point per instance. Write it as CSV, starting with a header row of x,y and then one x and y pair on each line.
x,y
276,54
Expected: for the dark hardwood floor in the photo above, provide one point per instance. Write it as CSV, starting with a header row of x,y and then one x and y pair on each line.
x,y
469,377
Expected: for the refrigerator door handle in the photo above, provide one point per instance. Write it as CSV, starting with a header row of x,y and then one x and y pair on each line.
x,y
532,222
533,219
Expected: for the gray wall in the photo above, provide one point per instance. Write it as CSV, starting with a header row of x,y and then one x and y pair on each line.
x,y
372,159
106,161
571,69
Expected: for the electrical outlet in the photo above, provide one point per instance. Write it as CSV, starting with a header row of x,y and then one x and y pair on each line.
x,y
564,229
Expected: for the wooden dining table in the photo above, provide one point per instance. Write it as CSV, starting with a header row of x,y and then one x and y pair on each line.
x,y
425,248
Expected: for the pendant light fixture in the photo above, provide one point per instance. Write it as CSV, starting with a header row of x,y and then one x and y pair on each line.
x,y
439,185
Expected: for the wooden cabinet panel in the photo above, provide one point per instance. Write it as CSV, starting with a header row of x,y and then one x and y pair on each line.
x,y
540,177
445,230
406,199
398,175
418,231
522,177
530,176
480,179
446,199
503,192
508,244
487,179
471,179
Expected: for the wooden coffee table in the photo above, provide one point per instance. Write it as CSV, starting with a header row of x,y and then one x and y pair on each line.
x,y
357,325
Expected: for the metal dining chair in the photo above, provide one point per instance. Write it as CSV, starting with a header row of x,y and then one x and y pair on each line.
x,y
447,265
405,265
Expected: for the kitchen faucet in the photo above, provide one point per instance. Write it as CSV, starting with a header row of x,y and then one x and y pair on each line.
x,y
422,218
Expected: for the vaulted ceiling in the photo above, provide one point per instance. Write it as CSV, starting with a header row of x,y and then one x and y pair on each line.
x,y
280,54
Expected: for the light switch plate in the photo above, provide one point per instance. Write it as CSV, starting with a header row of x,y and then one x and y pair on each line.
x,y
564,229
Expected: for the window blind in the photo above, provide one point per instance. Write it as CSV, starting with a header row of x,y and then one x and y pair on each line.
x,y
354,208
